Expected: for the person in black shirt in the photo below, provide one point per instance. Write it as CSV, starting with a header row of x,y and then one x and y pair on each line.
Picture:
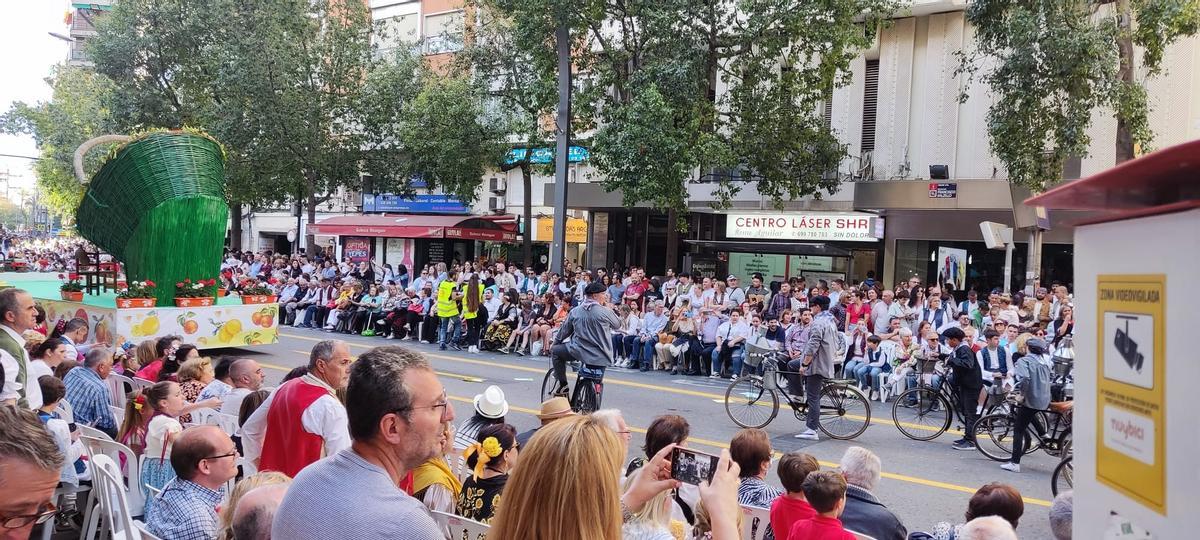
x,y
967,381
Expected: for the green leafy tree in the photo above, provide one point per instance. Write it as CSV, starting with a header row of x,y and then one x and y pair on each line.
x,y
521,97
656,74
1052,63
79,109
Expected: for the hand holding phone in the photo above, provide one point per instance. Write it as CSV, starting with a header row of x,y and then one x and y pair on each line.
x,y
691,466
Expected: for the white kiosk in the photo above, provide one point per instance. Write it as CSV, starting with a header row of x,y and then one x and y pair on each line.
x,y
1137,347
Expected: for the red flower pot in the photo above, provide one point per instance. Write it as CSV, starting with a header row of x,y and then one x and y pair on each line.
x,y
126,303
220,293
201,301
72,296
259,299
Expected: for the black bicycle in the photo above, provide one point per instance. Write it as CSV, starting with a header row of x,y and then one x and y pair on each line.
x,y
1050,430
925,411
589,388
752,401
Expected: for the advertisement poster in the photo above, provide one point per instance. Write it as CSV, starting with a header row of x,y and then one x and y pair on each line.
x,y
952,267
1130,387
397,251
356,248
744,265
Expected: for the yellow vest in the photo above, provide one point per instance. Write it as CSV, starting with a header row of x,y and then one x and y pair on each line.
x,y
446,305
467,313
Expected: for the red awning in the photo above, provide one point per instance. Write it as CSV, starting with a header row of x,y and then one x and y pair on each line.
x,y
414,226
1162,178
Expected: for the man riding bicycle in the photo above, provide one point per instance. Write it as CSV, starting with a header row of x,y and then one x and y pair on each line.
x,y
590,326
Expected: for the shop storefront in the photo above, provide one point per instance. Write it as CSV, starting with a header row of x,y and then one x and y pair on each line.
x,y
413,240
815,245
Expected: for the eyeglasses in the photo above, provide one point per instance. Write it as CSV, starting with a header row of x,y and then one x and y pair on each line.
x,y
233,453
44,514
444,406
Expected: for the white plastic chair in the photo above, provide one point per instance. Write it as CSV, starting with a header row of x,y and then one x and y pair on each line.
x,y
89,431
756,522
139,383
60,498
118,386
132,473
460,528
227,422
145,530
118,414
114,507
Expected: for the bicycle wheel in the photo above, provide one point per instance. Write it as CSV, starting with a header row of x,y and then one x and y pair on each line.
x,y
585,400
549,383
994,436
750,404
845,412
1063,477
921,414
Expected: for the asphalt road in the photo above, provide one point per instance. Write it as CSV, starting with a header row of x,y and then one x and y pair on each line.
x,y
924,482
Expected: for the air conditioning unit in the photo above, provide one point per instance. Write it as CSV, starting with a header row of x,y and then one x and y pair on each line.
x,y
497,185
496,204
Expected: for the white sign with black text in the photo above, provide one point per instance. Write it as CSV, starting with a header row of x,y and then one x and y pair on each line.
x,y
821,226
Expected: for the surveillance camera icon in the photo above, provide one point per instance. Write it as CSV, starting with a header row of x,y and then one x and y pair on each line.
x,y
1127,346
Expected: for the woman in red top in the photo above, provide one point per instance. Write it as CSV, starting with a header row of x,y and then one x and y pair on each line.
x,y
857,310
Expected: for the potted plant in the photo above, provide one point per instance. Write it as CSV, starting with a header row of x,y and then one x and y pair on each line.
x,y
194,294
137,294
72,289
255,292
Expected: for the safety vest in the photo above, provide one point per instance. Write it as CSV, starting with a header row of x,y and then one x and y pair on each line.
x,y
446,305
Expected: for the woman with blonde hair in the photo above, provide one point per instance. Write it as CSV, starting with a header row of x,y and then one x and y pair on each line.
x,y
144,355
226,511
541,502
194,375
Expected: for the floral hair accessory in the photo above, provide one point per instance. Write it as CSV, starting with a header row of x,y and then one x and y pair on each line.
x,y
139,402
484,453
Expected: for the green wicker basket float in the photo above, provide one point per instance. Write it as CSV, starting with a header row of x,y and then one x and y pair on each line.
x,y
158,206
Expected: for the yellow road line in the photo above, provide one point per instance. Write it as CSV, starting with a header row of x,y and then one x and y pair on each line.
x,y
719,444
719,398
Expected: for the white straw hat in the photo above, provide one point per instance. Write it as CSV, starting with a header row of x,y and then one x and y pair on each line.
x,y
491,403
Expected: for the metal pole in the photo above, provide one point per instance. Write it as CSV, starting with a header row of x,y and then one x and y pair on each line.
x,y
562,145
1008,254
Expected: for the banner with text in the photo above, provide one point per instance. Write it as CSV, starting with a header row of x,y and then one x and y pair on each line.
x,y
821,226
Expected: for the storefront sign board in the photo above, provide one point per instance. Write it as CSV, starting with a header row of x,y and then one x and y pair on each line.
x,y
800,263
356,248
577,230
818,226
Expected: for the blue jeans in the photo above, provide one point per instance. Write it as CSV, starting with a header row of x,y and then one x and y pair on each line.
x,y
630,347
455,329
618,343
736,354
877,377
935,383
646,360
862,374
850,370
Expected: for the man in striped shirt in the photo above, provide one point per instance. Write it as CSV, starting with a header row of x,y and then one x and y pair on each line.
x,y
88,393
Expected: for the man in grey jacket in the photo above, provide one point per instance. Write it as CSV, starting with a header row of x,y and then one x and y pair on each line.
x,y
1033,381
824,343
590,326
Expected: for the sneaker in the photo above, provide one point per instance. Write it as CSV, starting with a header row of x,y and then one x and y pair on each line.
x,y
643,369
393,336
456,346
442,347
562,391
714,376
963,445
808,435
1011,467
520,352
503,350
424,342
473,349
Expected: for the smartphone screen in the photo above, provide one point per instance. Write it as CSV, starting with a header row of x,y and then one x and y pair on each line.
x,y
691,466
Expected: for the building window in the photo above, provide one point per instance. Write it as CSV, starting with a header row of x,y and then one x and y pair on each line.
x,y
394,32
444,32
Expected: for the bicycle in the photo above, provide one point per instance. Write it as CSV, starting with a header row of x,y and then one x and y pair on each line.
x,y
845,412
924,412
589,388
1049,431
1063,477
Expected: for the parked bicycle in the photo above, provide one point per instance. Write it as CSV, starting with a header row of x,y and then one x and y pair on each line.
x,y
924,412
752,401
588,392
1063,477
1050,430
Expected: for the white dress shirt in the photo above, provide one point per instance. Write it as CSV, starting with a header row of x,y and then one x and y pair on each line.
x,y
33,392
325,418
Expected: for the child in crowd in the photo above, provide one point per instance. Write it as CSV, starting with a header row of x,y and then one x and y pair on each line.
x,y
166,398
825,491
133,426
790,508
994,360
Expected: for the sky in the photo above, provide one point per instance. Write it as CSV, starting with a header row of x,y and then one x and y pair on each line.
x,y
29,53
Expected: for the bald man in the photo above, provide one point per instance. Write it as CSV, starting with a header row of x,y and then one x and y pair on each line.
x,y
205,459
247,376
255,511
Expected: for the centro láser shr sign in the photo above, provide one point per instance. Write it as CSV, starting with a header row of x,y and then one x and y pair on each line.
x,y
858,227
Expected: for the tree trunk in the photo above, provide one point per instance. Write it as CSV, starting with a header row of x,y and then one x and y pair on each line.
x,y
527,235
1124,150
310,240
235,226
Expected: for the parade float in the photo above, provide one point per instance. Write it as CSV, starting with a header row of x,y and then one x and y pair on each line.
x,y
157,208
